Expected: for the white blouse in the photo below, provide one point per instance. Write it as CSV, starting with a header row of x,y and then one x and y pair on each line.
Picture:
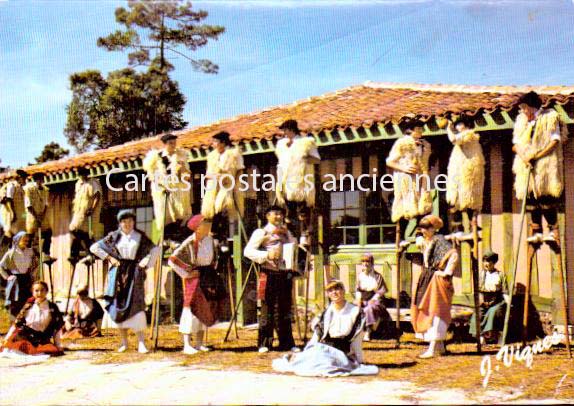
x,y
341,321
39,317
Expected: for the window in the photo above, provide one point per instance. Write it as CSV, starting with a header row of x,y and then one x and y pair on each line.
x,y
144,216
358,217
345,216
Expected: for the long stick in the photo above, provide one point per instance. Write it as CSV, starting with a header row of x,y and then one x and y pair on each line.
x,y
515,264
475,271
234,315
157,292
398,281
230,288
531,251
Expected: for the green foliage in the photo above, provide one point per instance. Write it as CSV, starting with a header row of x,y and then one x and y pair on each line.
x,y
126,106
169,25
52,152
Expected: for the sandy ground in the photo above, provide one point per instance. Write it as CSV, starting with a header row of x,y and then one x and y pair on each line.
x,y
72,382
93,373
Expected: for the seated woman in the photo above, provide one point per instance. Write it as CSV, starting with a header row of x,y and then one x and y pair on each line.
x,y
371,288
18,267
430,311
494,291
38,323
85,318
336,346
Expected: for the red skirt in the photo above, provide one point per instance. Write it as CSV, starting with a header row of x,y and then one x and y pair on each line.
x,y
206,311
25,346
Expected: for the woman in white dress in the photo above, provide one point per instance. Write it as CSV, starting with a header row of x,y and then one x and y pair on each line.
x,y
129,252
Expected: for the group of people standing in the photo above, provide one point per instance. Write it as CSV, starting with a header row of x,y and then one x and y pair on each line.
x,y
340,330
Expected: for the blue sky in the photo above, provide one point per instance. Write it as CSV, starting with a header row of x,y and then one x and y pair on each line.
x,y
276,52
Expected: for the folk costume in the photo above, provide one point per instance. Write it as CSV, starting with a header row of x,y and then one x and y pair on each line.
x,y
169,173
493,288
194,261
335,348
36,329
221,202
370,292
410,201
275,285
465,171
22,263
546,185
430,309
36,202
85,318
295,188
125,294
87,202
12,208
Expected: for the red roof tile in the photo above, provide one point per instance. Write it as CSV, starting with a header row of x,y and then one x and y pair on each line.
x,y
350,107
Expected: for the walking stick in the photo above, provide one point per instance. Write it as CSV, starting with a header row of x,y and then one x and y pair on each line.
x,y
398,282
157,282
475,271
515,264
235,310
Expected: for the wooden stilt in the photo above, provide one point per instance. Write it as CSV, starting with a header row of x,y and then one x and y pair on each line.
x,y
295,311
307,276
530,252
230,289
41,265
155,316
563,283
51,280
515,264
475,273
70,286
399,252
239,299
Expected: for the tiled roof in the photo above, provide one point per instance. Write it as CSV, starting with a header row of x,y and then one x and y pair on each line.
x,y
361,105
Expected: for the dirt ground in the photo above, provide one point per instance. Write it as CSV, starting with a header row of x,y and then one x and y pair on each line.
x,y
92,372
